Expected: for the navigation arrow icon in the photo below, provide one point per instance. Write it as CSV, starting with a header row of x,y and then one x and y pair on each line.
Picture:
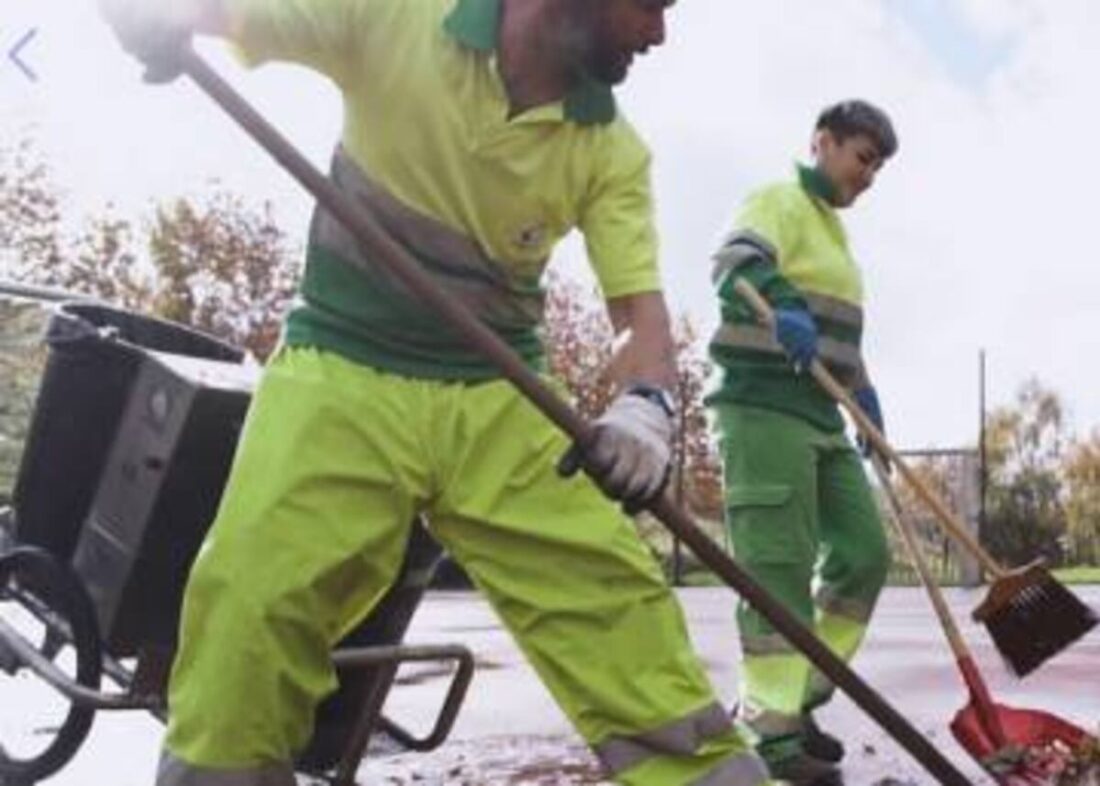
x,y
14,52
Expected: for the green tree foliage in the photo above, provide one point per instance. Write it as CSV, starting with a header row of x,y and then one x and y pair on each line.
x,y
1082,477
1026,443
21,362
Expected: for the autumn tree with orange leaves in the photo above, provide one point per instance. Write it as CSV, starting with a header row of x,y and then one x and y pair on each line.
x,y
579,341
1082,479
216,262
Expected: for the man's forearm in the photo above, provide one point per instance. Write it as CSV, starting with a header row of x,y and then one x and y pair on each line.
x,y
648,353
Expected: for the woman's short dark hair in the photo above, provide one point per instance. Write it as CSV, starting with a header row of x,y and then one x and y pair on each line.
x,y
855,117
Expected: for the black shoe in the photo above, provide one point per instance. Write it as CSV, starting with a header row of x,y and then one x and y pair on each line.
x,y
804,770
789,761
820,744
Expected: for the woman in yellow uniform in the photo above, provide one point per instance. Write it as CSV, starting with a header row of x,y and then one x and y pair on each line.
x,y
798,504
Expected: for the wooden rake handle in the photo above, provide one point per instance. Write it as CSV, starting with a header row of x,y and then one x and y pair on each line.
x,y
980,696
395,260
935,594
948,519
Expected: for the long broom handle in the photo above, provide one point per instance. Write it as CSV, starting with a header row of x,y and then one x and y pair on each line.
x,y
948,519
397,262
979,691
935,594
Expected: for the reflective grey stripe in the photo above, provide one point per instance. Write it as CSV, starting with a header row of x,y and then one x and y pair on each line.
x,y
457,263
858,610
681,738
836,354
741,247
835,310
746,769
746,336
769,723
175,772
769,644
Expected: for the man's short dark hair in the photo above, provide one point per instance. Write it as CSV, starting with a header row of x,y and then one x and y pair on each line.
x,y
855,117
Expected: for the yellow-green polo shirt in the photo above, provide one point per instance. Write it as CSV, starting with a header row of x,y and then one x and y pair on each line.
x,y
426,124
804,261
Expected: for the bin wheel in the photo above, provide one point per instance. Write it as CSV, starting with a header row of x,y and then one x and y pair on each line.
x,y
7,535
55,584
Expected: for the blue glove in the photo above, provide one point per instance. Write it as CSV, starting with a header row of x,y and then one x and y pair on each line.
x,y
867,399
797,334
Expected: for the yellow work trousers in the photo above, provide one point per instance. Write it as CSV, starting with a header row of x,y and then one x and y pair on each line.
x,y
335,460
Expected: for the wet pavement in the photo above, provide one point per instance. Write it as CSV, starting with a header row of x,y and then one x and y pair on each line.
x,y
510,731
905,658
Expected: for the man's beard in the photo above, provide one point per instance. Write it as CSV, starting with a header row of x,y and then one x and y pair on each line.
x,y
590,55
607,66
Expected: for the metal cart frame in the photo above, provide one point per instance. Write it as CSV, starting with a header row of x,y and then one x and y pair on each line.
x,y
52,585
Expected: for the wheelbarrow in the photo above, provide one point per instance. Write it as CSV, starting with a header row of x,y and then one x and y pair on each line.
x,y
134,429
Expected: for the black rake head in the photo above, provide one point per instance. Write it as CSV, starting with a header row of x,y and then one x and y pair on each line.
x,y
1036,623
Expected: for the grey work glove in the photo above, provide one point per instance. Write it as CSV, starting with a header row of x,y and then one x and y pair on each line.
x,y
630,452
156,32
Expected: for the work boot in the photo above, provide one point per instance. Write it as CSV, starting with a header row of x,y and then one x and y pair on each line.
x,y
790,762
820,744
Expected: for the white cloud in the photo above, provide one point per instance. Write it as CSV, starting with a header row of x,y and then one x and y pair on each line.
x,y
978,235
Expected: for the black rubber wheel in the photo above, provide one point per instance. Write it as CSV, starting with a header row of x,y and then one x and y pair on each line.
x,y
7,532
55,584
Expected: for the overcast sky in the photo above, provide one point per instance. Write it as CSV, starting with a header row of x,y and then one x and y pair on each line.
x,y
977,235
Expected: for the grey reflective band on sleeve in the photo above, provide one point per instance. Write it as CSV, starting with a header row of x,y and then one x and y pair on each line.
x,y
740,248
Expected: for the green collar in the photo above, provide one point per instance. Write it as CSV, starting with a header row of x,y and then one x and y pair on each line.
x,y
474,23
816,183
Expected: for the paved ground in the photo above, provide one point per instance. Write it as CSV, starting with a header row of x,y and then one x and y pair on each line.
x,y
511,733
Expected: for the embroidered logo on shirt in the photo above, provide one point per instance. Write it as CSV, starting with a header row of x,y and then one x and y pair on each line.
x,y
531,237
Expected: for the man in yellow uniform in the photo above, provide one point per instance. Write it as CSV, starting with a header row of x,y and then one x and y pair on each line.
x,y
478,133
800,512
